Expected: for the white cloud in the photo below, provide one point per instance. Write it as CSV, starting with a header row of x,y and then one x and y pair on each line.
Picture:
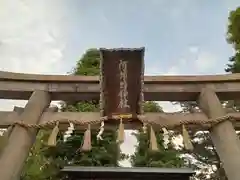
x,y
182,61
152,70
155,70
173,71
169,107
231,4
205,61
30,36
193,49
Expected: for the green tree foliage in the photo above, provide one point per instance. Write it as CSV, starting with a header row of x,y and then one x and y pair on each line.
x,y
233,65
161,158
144,157
151,106
89,64
233,37
233,34
38,166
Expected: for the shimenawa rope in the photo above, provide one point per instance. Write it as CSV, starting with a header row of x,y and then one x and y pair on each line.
x,y
142,118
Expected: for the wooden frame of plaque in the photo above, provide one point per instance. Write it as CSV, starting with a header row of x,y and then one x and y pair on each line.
x,y
121,81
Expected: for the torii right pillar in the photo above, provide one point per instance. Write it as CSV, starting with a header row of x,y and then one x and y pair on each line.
x,y
223,135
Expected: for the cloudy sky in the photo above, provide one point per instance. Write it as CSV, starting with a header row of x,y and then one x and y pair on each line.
x,y
180,36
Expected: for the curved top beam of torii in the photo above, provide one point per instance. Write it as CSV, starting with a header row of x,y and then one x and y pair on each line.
x,y
158,88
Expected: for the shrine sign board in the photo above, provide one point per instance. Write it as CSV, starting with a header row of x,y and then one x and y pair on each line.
x,y
121,81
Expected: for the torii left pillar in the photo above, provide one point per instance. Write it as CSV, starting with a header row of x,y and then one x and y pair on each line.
x,y
21,140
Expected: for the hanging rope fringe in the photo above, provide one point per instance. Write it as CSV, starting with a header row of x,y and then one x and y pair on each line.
x,y
99,135
120,138
144,128
165,138
186,139
52,140
69,132
153,140
87,145
142,118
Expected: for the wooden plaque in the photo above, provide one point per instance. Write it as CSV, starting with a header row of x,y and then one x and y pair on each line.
x,y
121,81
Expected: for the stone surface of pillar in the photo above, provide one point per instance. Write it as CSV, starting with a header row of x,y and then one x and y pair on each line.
x,y
223,134
21,140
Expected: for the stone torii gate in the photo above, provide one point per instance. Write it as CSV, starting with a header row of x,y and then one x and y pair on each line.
x,y
121,88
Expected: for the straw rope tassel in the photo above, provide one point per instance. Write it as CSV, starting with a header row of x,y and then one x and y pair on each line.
x,y
186,139
4,138
153,140
52,140
120,137
87,145
144,128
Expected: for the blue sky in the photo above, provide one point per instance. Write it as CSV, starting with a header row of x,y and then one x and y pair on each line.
x,y
180,36
176,34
